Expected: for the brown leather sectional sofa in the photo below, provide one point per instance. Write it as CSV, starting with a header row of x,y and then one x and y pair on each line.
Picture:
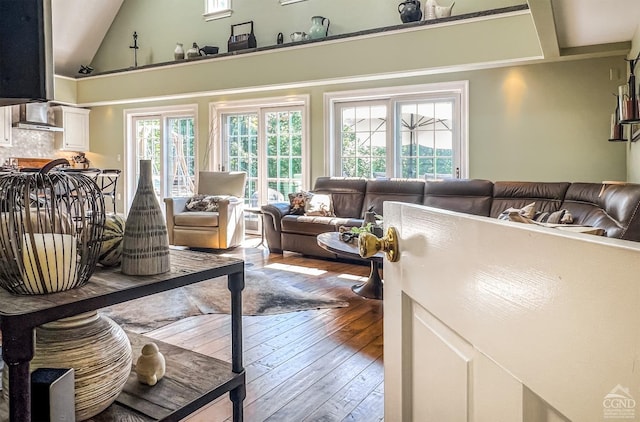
x,y
612,207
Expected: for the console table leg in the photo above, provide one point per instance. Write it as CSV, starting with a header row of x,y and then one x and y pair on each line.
x,y
17,352
237,396
235,285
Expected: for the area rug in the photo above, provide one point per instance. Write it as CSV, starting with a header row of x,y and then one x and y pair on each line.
x,y
263,295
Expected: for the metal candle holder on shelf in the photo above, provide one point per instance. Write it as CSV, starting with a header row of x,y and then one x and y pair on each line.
x,y
51,226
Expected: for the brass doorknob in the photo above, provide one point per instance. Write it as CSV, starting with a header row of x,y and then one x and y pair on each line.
x,y
369,245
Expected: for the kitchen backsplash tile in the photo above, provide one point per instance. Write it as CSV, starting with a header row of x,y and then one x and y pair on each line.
x,y
31,144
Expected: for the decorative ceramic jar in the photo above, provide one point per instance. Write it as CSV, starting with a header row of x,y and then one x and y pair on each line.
x,y
410,11
178,53
318,30
145,246
96,348
193,52
51,225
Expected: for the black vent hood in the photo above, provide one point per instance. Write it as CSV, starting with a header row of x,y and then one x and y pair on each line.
x,y
26,58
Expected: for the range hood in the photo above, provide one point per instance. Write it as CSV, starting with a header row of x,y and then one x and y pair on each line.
x,y
35,116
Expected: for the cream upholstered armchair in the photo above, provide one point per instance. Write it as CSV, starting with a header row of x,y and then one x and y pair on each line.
x,y
218,223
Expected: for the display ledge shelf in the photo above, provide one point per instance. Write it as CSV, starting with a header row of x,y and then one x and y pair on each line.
x,y
455,18
191,382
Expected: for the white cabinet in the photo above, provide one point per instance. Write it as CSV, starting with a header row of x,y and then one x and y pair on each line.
x,y
75,124
5,126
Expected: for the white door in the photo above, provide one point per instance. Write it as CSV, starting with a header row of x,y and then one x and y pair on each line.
x,y
489,320
168,139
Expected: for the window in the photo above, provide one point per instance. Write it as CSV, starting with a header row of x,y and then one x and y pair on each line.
x,y
167,137
407,132
217,9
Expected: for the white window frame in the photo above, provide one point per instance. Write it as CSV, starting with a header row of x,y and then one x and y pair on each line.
x,y
130,145
285,2
218,109
459,89
217,9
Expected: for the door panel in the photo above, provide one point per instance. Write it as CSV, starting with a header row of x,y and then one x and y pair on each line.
x,y
551,318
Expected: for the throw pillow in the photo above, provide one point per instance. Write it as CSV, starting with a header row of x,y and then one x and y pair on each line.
x,y
297,201
202,202
526,212
562,216
319,205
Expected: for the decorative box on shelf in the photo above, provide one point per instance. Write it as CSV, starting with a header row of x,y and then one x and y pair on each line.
x,y
241,41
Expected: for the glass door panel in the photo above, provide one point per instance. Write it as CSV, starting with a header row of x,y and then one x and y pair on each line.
x,y
284,154
181,157
169,142
148,135
241,150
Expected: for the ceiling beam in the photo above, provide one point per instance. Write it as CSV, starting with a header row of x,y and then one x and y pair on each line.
x,y
542,15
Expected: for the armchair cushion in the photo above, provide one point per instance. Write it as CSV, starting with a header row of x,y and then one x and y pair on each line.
x,y
197,219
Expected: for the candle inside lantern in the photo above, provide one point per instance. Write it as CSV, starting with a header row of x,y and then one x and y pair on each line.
x,y
57,255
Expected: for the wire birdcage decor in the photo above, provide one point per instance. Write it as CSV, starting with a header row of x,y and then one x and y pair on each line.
x,y
51,225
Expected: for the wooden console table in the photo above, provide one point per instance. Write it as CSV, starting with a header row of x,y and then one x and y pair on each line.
x,y
19,315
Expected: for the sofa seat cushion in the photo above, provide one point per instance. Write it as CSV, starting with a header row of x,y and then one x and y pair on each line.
x,y
196,219
314,225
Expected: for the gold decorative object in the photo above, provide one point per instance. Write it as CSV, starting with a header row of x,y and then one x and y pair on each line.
x,y
51,224
370,244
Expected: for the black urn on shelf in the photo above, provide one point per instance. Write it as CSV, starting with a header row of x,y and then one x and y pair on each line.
x,y
410,11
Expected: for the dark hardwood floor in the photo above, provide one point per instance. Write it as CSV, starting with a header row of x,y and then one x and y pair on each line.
x,y
316,365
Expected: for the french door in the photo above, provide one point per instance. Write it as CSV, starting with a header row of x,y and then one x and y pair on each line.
x,y
268,143
168,139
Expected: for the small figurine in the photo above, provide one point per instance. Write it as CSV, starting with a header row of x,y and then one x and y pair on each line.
x,y
150,366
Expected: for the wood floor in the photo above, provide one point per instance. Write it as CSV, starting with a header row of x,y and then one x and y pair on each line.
x,y
317,365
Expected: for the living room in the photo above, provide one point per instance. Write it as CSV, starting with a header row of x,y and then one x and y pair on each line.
x,y
527,113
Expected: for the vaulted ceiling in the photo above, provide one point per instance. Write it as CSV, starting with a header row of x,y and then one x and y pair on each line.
x,y
78,30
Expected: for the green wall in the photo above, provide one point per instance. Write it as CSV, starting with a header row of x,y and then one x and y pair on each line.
x,y
160,24
540,122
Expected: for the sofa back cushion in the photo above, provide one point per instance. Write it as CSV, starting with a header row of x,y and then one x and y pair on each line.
x,y
400,190
548,196
347,194
612,207
462,195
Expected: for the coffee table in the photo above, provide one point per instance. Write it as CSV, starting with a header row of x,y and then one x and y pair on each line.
x,y
372,287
